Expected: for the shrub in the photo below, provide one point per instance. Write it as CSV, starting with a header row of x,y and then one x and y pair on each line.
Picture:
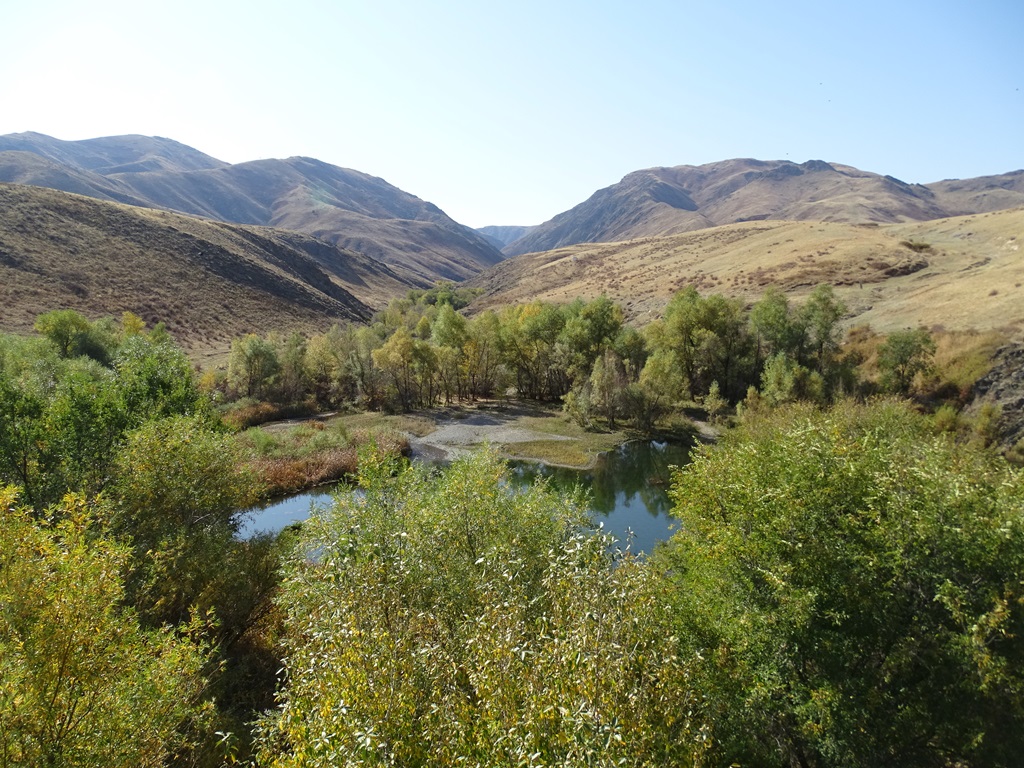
x,y
438,620
853,590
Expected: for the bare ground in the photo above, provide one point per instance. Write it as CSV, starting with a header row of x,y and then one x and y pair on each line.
x,y
460,430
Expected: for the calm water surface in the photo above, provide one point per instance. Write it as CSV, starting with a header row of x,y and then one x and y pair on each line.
x,y
628,490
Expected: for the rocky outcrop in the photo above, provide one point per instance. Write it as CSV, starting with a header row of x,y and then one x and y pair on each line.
x,y
1003,386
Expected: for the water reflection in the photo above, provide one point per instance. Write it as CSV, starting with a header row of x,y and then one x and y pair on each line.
x,y
276,515
628,490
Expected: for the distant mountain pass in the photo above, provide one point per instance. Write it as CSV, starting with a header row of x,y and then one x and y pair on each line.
x,y
499,237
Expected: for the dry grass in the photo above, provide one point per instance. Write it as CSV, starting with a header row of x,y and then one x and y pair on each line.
x,y
294,457
963,273
282,476
208,282
963,357
418,425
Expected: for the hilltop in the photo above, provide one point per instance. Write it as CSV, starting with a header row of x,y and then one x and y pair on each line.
x,y
658,202
347,208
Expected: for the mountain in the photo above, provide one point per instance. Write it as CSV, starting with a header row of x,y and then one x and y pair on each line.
x,y
208,281
669,201
348,208
982,194
961,272
500,236
112,154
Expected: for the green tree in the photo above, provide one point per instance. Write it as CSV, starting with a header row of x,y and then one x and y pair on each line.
x,y
292,382
902,356
450,335
777,328
485,372
529,333
607,386
447,620
154,379
328,366
589,329
84,425
369,378
25,456
396,361
851,586
179,488
81,683
253,365
706,339
66,329
820,315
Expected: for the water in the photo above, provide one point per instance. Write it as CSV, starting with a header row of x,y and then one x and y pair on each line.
x,y
628,489
628,493
274,516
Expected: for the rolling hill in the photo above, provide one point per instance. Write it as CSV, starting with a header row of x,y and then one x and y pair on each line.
x,y
960,273
350,209
669,201
208,281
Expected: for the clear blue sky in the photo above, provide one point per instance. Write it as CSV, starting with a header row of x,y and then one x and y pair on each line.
x,y
511,112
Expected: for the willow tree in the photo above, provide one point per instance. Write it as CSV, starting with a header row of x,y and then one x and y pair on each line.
x,y
853,590
81,682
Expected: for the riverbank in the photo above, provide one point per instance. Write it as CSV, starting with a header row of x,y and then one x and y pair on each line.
x,y
523,431
300,454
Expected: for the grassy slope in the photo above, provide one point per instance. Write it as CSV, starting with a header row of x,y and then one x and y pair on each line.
x,y
353,210
969,277
209,282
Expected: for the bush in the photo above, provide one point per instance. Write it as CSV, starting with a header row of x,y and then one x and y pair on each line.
x,y
81,682
853,589
436,620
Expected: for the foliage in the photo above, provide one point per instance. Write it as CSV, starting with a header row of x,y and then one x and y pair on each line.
x,y
820,315
903,356
851,586
253,365
62,419
438,620
445,294
73,335
81,683
179,486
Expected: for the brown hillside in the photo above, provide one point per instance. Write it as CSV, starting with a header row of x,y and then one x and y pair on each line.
x,y
666,201
988,193
351,209
963,272
208,281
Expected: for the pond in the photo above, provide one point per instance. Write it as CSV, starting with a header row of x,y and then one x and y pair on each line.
x,y
628,490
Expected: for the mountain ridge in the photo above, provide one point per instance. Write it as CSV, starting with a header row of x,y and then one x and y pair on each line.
x,y
665,201
349,208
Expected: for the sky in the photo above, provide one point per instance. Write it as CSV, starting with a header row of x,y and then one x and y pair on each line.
x,y
511,112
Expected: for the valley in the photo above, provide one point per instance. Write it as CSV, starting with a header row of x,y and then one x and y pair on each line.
x,y
832,355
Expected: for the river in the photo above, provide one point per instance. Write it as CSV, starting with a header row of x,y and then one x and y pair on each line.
x,y
628,490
